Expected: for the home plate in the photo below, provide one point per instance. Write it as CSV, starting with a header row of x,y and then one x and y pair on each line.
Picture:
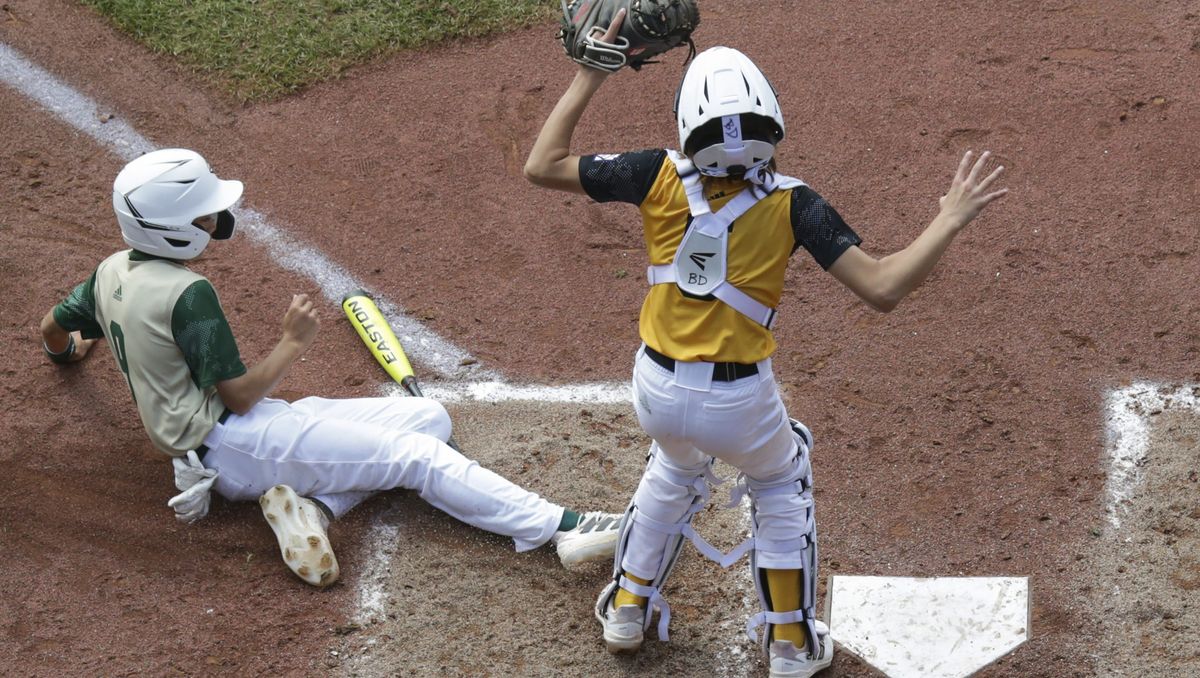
x,y
942,627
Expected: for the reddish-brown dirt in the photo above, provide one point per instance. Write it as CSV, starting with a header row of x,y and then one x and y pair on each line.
x,y
961,434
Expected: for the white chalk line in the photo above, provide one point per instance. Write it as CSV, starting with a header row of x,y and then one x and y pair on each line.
x,y
422,345
1128,433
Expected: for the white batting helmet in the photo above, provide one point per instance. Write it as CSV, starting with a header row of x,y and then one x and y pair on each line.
x,y
159,195
728,114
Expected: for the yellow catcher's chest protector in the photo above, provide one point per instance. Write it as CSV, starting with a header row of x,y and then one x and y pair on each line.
x,y
699,266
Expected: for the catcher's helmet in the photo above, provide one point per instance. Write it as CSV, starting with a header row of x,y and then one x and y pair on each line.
x,y
159,195
728,114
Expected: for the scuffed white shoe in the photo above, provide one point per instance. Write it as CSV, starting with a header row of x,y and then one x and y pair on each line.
x,y
301,529
594,538
623,628
787,662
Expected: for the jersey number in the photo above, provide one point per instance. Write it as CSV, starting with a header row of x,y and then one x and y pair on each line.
x,y
118,339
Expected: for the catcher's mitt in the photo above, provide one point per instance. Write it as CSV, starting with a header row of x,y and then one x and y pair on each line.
x,y
651,27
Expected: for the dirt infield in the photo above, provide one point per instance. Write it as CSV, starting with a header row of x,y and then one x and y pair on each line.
x,y
961,434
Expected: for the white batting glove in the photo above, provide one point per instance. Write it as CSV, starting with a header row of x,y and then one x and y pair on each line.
x,y
195,481
189,471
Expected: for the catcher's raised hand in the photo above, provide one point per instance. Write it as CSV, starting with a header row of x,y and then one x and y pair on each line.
x,y
971,191
609,34
612,35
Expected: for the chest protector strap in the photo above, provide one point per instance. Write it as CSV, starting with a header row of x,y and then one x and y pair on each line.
x,y
699,267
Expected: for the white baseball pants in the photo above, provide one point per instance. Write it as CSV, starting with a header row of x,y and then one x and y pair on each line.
x,y
342,451
743,423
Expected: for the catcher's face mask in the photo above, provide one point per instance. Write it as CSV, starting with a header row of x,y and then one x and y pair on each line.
x,y
733,145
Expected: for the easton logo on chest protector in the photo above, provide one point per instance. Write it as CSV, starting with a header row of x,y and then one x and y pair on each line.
x,y
699,267
700,257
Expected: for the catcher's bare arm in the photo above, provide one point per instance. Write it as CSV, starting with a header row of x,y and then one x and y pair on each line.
x,y
883,283
550,163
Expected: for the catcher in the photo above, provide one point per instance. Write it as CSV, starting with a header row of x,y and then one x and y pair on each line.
x,y
306,462
720,224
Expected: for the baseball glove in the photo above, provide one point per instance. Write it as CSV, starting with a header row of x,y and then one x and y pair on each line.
x,y
651,27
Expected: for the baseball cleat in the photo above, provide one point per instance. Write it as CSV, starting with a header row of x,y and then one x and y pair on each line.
x,y
788,662
594,538
300,527
623,627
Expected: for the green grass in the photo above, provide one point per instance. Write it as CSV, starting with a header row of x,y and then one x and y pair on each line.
x,y
263,49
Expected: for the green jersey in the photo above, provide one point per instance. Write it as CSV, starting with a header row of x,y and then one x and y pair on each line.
x,y
166,329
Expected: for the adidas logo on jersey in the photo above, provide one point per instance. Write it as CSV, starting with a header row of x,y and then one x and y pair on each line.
x,y
117,294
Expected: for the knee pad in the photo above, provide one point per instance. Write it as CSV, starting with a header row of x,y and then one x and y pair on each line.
x,y
784,536
652,532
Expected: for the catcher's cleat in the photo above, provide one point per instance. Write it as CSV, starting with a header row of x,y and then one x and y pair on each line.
x,y
624,627
594,538
788,662
300,528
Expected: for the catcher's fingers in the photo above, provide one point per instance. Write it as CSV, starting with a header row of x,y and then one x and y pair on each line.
x,y
973,177
991,178
614,29
987,199
960,175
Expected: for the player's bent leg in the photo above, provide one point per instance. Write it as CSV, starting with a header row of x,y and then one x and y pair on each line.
x,y
301,529
417,415
652,533
471,493
316,455
783,565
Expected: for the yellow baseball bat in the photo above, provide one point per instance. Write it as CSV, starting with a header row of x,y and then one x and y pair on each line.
x,y
377,334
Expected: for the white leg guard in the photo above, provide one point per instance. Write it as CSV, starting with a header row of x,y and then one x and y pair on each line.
x,y
652,532
785,538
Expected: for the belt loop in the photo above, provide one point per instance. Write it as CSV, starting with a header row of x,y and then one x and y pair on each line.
x,y
765,372
694,376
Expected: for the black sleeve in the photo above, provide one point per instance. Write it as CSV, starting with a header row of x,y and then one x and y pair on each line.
x,y
819,228
622,177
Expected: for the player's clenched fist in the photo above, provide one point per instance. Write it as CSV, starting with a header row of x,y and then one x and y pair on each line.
x,y
300,322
